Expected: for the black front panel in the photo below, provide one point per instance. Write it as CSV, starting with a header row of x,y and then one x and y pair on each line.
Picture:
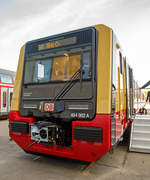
x,y
92,134
19,127
79,100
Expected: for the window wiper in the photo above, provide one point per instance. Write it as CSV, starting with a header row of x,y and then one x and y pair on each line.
x,y
69,84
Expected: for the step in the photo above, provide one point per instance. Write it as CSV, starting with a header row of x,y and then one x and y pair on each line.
x,y
142,117
139,116
144,149
142,121
140,139
140,142
141,134
141,127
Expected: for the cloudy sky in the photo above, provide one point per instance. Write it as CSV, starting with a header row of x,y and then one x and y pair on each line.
x,y
24,20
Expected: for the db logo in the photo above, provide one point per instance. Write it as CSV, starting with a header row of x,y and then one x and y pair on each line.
x,y
49,107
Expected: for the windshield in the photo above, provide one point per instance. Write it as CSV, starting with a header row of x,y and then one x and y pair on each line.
x,y
57,68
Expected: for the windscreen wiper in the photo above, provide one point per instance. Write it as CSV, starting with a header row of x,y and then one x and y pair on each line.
x,y
69,84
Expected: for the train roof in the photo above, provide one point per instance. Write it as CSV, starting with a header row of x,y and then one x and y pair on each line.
x,y
8,72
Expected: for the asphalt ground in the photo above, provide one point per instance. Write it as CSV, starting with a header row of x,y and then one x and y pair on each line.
x,y
15,164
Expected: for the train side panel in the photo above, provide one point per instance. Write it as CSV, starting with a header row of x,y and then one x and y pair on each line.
x,y
121,93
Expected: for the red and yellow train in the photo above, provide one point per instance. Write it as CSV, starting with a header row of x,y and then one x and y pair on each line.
x,y
73,94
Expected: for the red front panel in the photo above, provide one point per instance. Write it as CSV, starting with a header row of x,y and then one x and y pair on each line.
x,y
81,150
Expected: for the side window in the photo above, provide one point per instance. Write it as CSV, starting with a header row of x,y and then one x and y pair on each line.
x,y
130,78
120,57
86,65
4,99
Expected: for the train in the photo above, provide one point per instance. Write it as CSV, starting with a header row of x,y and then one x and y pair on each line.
x,y
7,79
73,94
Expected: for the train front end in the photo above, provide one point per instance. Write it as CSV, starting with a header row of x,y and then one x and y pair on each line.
x,y
59,106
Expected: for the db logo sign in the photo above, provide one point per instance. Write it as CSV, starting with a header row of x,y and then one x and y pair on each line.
x,y
49,107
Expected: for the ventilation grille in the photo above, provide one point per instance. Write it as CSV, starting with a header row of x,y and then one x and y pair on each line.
x,y
19,127
92,134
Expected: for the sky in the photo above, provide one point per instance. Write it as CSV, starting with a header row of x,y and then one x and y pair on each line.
x,y
21,21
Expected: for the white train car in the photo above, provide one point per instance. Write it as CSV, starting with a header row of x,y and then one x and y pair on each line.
x,y
7,79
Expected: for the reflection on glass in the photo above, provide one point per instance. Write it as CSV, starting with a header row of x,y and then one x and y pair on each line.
x,y
86,65
65,67
60,68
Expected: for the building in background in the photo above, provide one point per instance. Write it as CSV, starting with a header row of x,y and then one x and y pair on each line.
x,y
7,79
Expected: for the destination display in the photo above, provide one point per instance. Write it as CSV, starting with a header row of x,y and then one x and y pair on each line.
x,y
61,40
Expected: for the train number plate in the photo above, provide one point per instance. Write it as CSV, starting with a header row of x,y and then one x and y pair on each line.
x,y
49,107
